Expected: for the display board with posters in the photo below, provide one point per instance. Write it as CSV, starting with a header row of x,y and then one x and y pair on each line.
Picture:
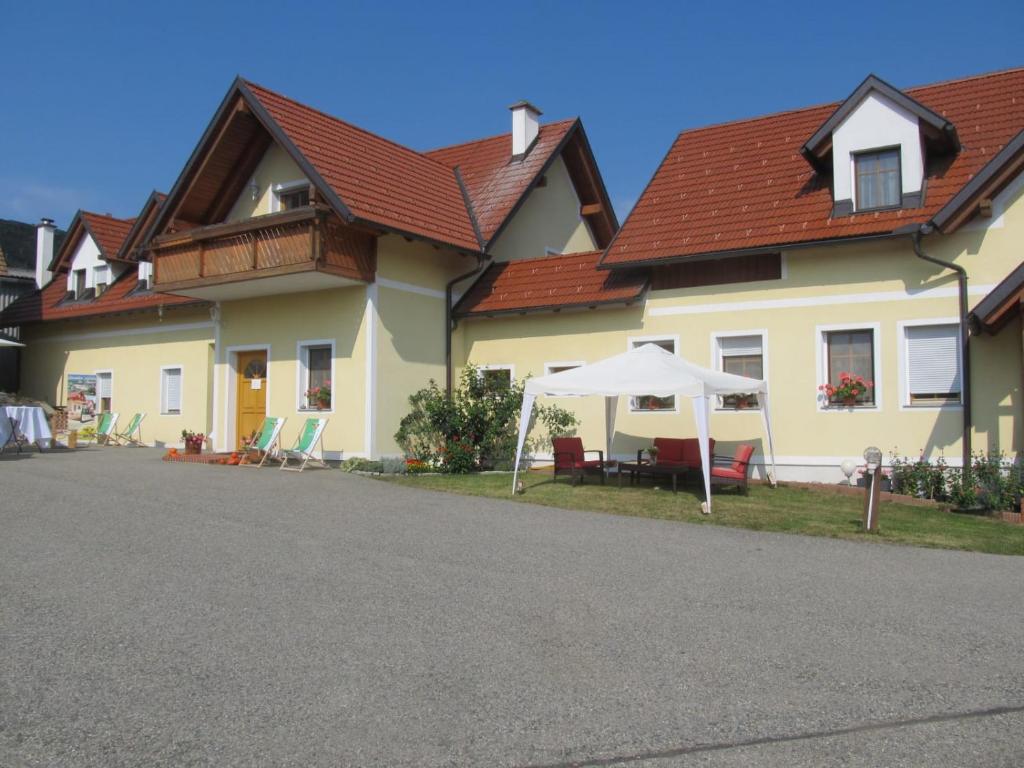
x,y
81,400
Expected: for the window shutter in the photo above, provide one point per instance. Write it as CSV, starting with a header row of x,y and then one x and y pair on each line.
x,y
740,345
933,362
104,385
172,390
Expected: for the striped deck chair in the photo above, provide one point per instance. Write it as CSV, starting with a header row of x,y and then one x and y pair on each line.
x,y
132,435
305,444
105,428
267,441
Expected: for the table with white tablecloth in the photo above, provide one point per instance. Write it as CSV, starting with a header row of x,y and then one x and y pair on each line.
x,y
31,421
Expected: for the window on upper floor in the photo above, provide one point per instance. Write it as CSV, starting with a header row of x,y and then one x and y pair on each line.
x,y
99,279
932,364
79,283
878,179
294,194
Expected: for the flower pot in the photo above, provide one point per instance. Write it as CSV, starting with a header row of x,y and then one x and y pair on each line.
x,y
193,449
1012,517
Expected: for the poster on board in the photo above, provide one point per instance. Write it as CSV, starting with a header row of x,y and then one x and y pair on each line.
x,y
81,402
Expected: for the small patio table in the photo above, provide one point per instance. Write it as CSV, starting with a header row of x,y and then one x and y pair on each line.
x,y
643,467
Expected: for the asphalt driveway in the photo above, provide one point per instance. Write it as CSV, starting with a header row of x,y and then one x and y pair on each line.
x,y
159,614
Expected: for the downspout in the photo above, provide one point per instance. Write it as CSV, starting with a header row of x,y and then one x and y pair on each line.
x,y
449,324
965,336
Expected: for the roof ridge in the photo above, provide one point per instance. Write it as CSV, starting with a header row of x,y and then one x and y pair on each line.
x,y
107,216
493,137
964,79
348,124
797,110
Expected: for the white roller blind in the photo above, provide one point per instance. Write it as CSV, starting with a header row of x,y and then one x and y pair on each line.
x,y
740,345
104,385
933,360
172,390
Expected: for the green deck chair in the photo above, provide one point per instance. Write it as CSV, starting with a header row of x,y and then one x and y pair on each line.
x,y
105,428
133,434
267,440
306,443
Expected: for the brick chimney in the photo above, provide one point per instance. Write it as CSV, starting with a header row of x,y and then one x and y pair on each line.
x,y
44,251
525,127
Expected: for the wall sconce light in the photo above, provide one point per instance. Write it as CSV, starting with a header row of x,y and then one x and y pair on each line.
x,y
254,188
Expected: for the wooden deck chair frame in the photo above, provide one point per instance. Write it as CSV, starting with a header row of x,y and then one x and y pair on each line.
x,y
104,437
133,434
17,437
302,451
269,445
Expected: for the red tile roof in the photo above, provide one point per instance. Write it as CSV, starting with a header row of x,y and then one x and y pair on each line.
x,y
547,283
495,183
380,182
745,184
121,297
108,232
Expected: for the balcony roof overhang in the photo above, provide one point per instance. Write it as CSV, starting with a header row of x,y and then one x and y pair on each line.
x,y
299,278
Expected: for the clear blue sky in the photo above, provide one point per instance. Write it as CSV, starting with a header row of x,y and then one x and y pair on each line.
x,y
103,102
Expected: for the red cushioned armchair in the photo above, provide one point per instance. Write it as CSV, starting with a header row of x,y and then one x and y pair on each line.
x,y
733,471
570,459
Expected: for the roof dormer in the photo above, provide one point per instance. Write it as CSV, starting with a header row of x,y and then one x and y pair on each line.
x,y
876,146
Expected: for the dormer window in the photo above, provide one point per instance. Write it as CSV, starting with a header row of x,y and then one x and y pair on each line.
x,y
79,283
878,179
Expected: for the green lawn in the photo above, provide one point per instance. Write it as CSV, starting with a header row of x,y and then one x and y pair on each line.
x,y
787,509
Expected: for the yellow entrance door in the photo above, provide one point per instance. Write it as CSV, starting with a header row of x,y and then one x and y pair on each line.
x,y
252,393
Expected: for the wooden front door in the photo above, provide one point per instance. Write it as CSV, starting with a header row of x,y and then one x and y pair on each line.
x,y
251,396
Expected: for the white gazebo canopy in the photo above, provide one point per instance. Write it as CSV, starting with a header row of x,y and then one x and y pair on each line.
x,y
647,370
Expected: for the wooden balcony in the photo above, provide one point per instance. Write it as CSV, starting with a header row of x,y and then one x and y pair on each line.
x,y
300,250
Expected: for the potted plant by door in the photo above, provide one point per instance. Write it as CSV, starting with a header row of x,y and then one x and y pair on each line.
x,y
319,397
848,391
193,441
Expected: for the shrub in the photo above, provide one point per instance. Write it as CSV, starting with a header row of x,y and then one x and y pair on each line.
x,y
356,464
992,482
476,428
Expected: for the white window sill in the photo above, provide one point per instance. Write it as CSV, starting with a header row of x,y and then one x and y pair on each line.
x,y
738,410
170,413
315,410
923,407
644,411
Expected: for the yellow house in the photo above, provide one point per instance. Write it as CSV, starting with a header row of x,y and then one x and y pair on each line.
x,y
302,255
298,254
801,247
95,317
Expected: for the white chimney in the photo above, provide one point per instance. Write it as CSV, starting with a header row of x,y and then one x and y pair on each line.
x,y
525,127
44,251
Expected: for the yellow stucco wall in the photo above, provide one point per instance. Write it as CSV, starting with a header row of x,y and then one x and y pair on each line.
x,y
276,167
133,349
281,323
549,219
880,284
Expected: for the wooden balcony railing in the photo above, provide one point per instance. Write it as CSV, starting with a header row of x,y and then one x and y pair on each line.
x,y
302,240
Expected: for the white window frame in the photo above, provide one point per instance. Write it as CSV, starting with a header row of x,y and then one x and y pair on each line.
x,y
562,364
510,367
97,374
302,371
631,343
276,191
718,362
821,345
904,365
163,390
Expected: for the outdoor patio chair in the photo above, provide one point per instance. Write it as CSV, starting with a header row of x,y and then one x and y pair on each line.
x,y
266,442
105,428
132,435
733,471
570,459
309,438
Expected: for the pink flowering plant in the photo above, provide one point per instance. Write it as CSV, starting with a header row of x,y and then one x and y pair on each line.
x,y
319,395
851,387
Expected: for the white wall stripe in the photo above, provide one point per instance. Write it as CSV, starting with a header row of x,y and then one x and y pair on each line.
x,y
396,285
128,332
817,301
